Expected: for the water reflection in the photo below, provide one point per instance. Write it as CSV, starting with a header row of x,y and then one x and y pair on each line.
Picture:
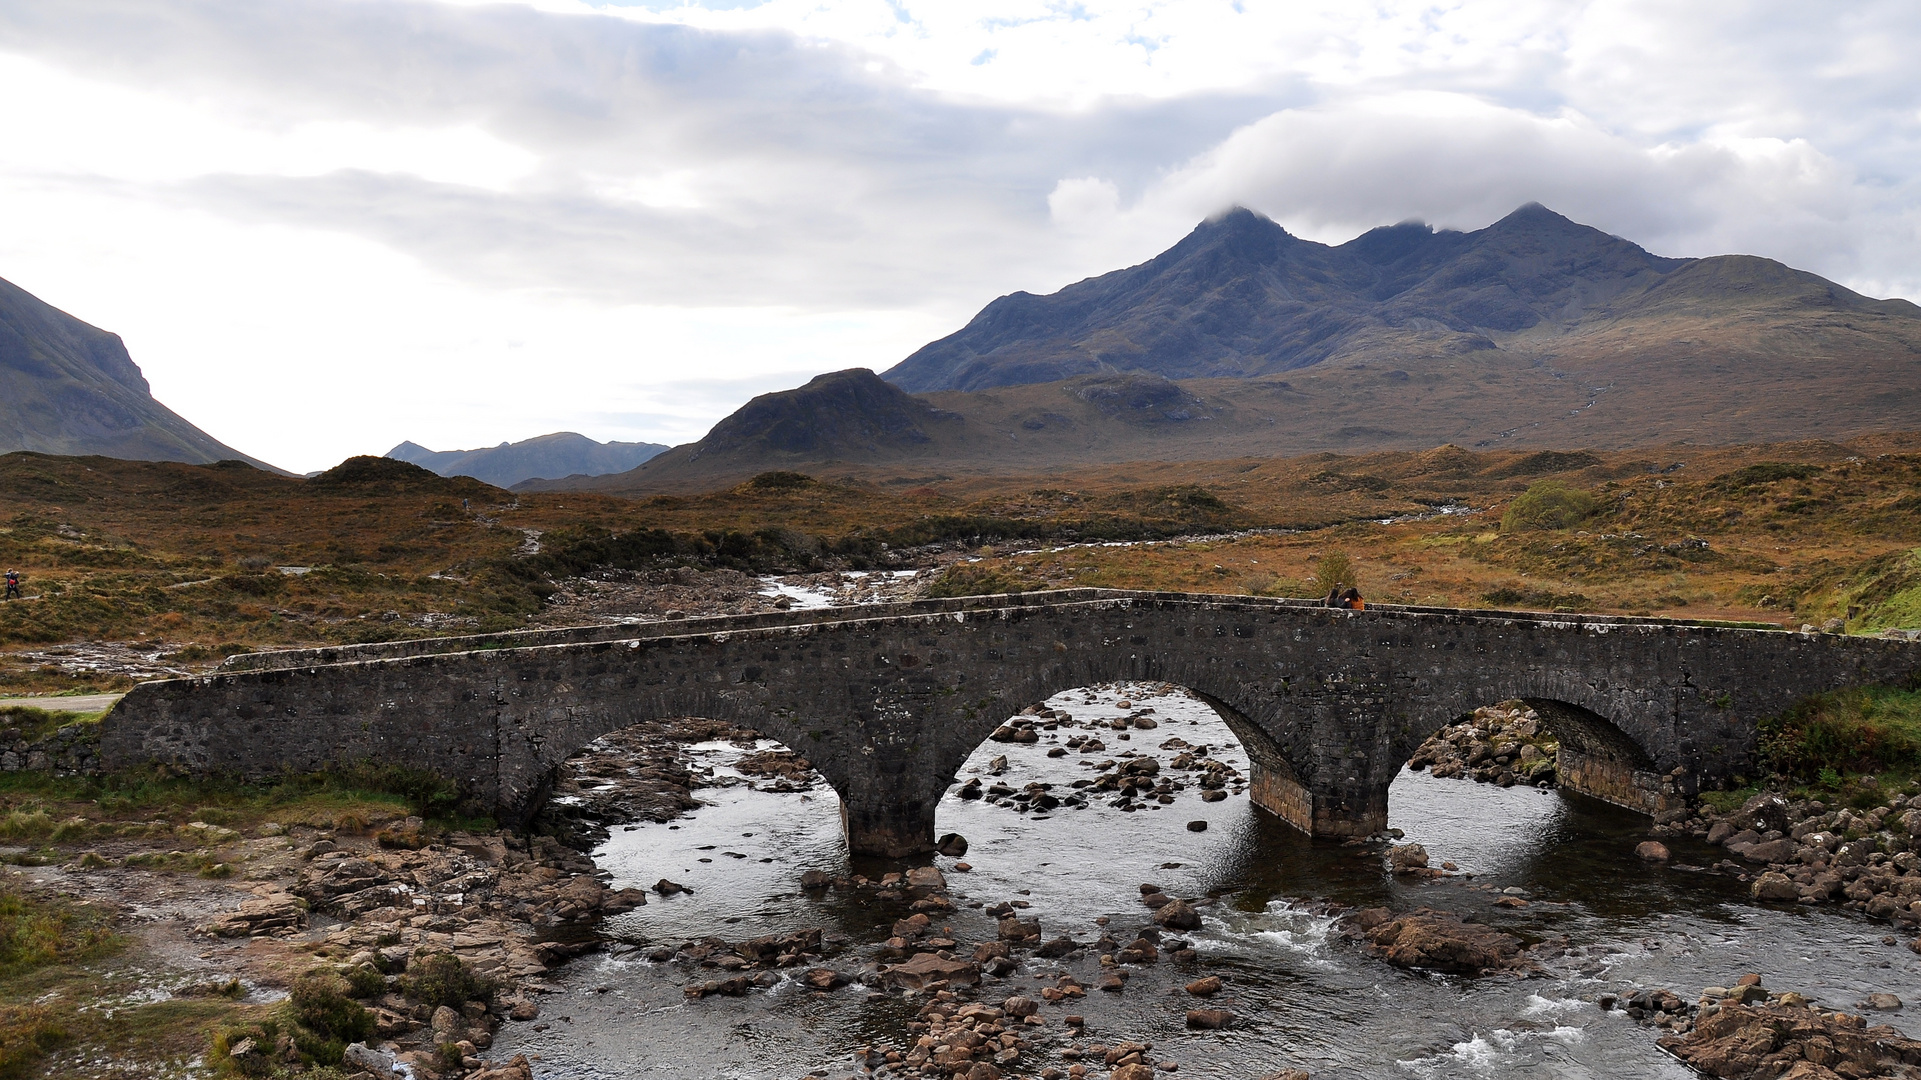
x,y
1307,997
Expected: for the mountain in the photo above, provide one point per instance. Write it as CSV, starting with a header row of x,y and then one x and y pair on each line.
x,y
851,417
1239,297
561,454
71,388
1243,341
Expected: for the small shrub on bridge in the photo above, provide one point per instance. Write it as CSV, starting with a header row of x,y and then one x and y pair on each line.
x,y
1334,568
1547,504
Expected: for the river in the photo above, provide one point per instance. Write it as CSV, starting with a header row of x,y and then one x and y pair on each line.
x,y
1307,997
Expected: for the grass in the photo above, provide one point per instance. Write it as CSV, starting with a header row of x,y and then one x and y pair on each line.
x,y
1870,730
202,812
35,935
198,562
32,724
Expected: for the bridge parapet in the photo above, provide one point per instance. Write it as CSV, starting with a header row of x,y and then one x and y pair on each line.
x,y
889,700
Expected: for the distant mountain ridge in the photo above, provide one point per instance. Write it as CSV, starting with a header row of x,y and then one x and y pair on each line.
x,y
557,456
1239,297
70,388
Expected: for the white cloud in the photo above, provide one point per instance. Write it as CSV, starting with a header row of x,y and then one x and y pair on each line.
x,y
666,203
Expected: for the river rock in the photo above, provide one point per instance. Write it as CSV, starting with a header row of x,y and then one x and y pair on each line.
x,y
1769,851
928,968
668,888
447,1024
1652,851
1740,1042
1015,929
517,1069
953,845
1018,1006
1407,858
1774,885
1881,1002
1439,941
927,881
1206,987
825,979
1209,1019
1136,1071
1178,915
1057,948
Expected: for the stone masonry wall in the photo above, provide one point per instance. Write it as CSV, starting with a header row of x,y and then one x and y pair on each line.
x,y
888,702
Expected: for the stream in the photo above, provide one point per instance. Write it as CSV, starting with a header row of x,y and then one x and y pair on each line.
x,y
1306,996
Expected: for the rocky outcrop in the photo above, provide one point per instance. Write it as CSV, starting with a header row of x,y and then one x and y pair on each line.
x,y
1796,851
1748,1034
1432,940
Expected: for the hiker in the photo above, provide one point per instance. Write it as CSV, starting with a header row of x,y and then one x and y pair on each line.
x,y
1351,599
1334,597
13,585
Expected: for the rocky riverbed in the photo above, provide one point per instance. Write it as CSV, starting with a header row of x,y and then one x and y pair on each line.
x,y
1502,744
1108,905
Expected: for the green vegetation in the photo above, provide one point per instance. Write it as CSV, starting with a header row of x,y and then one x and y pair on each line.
x,y
1864,730
35,806
38,934
968,579
33,724
442,979
1331,570
781,480
326,1016
1547,504
1765,472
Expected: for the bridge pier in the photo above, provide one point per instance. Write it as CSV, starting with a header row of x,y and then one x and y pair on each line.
x,y
1356,809
893,831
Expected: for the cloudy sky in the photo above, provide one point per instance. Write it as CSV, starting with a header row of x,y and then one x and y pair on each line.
x,y
324,226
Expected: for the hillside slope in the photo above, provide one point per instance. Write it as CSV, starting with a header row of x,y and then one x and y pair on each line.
x,y
71,388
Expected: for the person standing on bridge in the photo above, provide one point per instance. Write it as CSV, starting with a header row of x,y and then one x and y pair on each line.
x,y
1335,597
1351,599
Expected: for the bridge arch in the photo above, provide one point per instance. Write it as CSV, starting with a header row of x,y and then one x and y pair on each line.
x,y
888,702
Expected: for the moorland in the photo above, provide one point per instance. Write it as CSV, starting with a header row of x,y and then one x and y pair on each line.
x,y
188,563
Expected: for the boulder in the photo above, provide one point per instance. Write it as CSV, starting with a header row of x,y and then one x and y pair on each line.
x,y
926,969
1770,851
953,845
1652,851
1798,1041
1407,858
1206,987
1209,1019
1439,941
1178,915
1774,885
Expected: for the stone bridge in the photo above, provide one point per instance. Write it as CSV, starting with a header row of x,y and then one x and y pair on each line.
x,y
888,701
